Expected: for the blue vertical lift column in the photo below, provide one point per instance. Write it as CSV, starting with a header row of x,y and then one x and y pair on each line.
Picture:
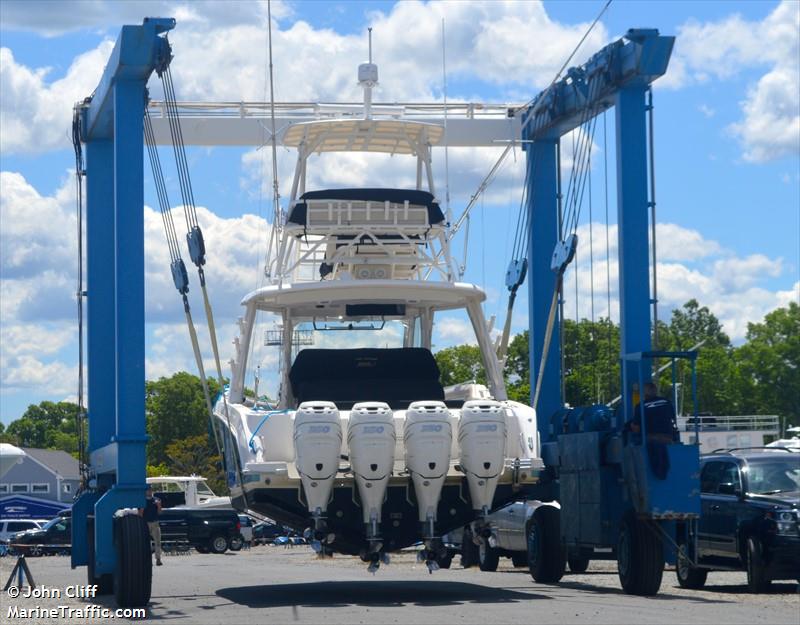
x,y
611,492
110,544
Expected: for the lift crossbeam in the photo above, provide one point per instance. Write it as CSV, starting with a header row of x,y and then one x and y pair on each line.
x,y
618,75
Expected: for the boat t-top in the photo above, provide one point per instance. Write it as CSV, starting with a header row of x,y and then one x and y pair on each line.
x,y
365,450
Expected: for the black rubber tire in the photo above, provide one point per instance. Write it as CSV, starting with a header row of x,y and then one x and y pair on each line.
x,y
578,565
688,576
640,558
201,548
488,557
444,563
35,551
519,559
546,557
469,550
757,578
236,543
218,544
133,579
105,582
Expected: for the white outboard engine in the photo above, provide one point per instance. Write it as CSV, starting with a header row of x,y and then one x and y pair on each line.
x,y
371,439
317,446
427,439
482,439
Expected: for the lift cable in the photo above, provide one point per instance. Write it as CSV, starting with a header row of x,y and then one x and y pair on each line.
x,y
178,268
566,248
652,167
569,58
80,172
194,238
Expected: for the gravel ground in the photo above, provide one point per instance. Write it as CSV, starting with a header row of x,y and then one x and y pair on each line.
x,y
279,585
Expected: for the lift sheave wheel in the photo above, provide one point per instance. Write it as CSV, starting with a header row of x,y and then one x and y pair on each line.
x,y
640,557
546,557
134,575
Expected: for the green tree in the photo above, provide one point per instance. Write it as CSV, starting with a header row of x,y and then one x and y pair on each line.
x,y
689,326
769,366
195,455
175,409
461,363
47,425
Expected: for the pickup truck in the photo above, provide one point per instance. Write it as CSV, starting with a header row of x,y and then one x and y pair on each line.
x,y
205,529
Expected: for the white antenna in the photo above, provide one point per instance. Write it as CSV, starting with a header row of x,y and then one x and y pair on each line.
x,y
446,159
277,216
368,78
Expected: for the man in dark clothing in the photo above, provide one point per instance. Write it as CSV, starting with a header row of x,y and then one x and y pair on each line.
x,y
660,415
661,425
150,513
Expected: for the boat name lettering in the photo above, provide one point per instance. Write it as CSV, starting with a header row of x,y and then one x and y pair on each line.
x,y
373,429
487,427
319,429
432,427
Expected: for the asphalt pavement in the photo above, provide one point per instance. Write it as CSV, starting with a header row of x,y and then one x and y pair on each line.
x,y
291,585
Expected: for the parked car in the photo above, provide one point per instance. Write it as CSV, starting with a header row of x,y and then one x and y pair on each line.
x,y
511,526
205,529
245,536
266,532
749,518
9,527
54,537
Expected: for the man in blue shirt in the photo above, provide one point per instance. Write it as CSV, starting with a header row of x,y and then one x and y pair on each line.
x,y
150,513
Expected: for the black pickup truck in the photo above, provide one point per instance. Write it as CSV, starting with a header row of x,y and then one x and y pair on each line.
x,y
205,529
750,518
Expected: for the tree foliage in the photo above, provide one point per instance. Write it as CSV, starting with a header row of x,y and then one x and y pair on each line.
x,y
47,425
175,409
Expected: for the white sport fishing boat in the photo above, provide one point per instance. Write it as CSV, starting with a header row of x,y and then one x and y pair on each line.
x,y
366,451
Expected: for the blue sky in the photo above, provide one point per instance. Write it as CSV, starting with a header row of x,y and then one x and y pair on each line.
x,y
727,148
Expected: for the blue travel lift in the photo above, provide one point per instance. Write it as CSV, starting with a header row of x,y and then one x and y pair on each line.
x,y
116,547
611,502
608,494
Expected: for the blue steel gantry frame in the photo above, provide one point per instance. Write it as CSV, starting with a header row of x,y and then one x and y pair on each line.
x,y
112,129
619,75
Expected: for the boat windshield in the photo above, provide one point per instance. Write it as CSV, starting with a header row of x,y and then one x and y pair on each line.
x,y
203,489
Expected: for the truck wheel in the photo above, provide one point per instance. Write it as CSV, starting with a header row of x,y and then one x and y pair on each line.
x,y
133,578
546,558
218,544
445,562
488,557
519,559
469,550
689,576
757,578
236,543
640,558
578,565
105,582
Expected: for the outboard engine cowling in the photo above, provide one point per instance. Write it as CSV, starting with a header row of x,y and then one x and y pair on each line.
x,y
317,446
427,438
482,440
371,440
